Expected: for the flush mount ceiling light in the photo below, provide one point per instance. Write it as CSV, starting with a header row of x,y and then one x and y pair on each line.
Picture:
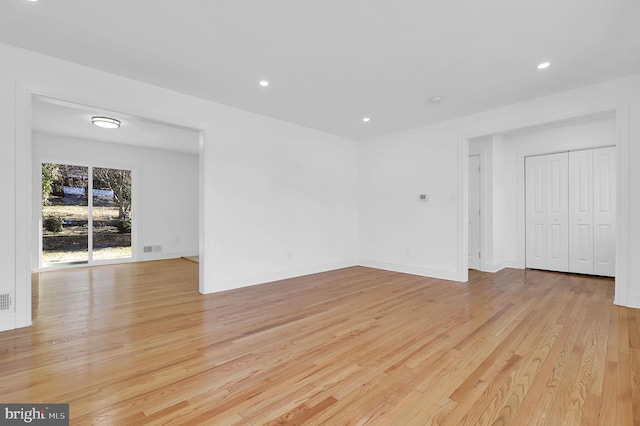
x,y
436,99
543,65
366,119
264,83
105,122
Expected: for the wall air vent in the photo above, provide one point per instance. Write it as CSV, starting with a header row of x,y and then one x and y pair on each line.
x,y
5,302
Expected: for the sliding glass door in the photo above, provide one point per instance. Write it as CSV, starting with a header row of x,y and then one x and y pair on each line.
x,y
65,213
86,214
111,214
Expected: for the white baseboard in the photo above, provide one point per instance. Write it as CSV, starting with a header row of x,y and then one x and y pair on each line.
x,y
410,269
231,283
8,321
633,301
144,257
496,267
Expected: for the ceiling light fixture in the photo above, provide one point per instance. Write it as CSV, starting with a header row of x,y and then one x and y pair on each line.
x,y
366,119
543,65
436,99
105,122
264,83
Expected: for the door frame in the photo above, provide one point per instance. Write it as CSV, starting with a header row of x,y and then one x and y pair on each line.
x,y
480,221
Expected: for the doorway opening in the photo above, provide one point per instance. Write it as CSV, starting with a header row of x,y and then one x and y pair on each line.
x,y
103,196
502,156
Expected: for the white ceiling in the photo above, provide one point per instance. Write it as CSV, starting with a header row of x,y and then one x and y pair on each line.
x,y
67,119
331,62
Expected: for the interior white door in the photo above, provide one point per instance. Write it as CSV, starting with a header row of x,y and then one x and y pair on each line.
x,y
547,245
581,211
474,212
604,211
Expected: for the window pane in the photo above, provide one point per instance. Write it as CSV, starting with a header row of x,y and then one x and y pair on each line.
x,y
111,213
65,237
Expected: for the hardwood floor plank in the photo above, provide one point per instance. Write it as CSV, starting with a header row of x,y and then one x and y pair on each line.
x,y
137,344
635,382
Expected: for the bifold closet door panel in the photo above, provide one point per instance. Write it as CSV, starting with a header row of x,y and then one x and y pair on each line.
x,y
604,211
581,212
547,244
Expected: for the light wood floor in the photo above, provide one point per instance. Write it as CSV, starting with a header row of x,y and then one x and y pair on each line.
x,y
137,344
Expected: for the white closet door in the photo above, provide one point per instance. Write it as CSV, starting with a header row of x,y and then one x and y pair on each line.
x,y
581,212
547,244
604,178
474,212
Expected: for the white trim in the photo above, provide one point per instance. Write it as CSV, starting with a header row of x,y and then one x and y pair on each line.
x,y
482,221
168,255
485,152
463,211
202,209
623,219
23,188
633,301
411,269
8,321
232,283
496,267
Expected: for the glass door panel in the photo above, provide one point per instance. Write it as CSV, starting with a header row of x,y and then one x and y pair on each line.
x,y
65,214
111,213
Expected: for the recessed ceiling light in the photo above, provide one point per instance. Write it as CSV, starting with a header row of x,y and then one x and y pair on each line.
x,y
436,99
366,119
264,83
105,122
543,65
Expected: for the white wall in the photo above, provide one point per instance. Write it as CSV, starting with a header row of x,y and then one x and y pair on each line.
x,y
165,183
434,159
276,199
283,203
506,152
397,231
9,187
